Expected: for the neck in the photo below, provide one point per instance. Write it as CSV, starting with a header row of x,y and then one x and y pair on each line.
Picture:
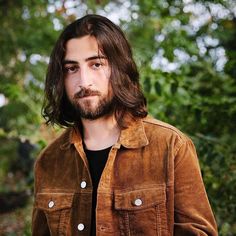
x,y
100,133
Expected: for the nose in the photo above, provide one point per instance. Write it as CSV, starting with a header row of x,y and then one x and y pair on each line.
x,y
85,79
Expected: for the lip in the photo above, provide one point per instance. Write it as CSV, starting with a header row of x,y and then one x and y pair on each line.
x,y
88,97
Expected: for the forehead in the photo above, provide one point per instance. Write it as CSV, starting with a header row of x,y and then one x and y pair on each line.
x,y
81,48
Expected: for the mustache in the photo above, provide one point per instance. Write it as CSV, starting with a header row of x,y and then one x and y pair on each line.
x,y
85,92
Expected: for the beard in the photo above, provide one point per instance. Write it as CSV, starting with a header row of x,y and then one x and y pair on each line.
x,y
87,110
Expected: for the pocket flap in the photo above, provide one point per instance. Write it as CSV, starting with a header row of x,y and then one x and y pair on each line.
x,y
140,198
53,201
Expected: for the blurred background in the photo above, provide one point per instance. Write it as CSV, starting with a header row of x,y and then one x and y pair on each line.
x,y
186,54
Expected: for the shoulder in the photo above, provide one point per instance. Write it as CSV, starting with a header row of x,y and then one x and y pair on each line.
x,y
57,145
162,126
164,132
158,124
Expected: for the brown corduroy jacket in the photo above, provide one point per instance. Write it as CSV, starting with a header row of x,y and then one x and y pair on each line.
x,y
151,185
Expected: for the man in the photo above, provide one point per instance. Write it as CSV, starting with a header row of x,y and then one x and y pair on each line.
x,y
115,170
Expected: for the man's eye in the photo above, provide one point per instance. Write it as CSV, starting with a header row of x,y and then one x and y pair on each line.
x,y
71,69
96,65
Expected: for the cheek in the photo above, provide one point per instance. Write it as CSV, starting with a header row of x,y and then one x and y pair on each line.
x,y
108,72
105,81
110,91
106,87
69,87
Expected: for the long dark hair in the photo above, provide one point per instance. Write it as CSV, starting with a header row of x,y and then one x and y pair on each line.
x,y
124,75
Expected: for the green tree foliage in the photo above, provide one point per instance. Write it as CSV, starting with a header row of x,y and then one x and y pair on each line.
x,y
26,38
186,54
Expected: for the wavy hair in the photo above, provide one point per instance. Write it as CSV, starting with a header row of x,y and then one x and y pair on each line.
x,y
124,78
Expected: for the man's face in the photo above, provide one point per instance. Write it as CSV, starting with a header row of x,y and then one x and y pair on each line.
x,y
87,75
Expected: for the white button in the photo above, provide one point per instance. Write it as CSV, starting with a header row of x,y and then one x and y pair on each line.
x,y
51,204
83,184
138,202
80,227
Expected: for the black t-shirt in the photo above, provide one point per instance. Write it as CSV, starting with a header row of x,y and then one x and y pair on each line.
x,y
97,161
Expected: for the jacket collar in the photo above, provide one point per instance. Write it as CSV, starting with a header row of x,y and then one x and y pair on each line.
x,y
67,137
133,136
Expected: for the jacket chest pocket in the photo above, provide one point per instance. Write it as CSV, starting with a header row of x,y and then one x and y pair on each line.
x,y
57,208
142,211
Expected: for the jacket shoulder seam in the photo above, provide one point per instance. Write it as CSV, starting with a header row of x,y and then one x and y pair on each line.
x,y
167,126
51,144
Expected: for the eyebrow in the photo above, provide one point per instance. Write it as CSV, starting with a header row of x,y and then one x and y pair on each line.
x,y
87,59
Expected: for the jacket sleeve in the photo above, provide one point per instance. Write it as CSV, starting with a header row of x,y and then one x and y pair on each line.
x,y
39,220
192,211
